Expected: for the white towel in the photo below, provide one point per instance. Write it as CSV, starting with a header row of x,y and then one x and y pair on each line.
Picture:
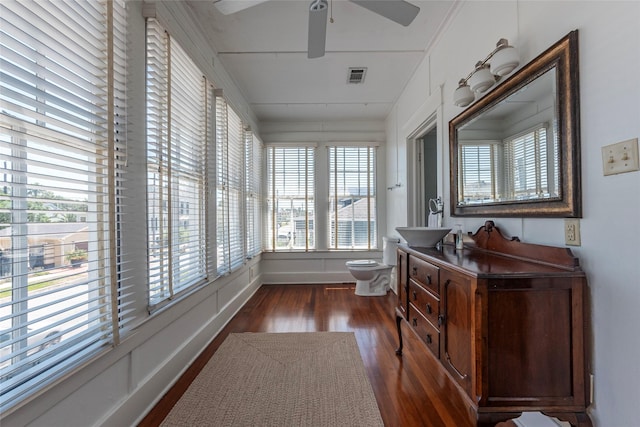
x,y
433,220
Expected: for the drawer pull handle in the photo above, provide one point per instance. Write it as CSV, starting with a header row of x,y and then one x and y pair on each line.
x,y
428,279
415,295
415,321
429,339
414,271
440,320
429,309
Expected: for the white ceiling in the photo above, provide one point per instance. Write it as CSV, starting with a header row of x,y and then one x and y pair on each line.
x,y
264,49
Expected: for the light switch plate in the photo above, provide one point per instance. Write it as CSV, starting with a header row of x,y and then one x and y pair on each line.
x,y
620,157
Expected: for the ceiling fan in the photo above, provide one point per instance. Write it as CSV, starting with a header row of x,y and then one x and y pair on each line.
x,y
399,11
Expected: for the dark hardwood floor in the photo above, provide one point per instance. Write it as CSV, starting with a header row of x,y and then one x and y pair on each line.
x,y
407,395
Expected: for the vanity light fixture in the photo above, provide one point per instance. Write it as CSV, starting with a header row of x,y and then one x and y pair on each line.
x,y
481,79
504,59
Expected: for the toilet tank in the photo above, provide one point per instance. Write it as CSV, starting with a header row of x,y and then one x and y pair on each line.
x,y
389,247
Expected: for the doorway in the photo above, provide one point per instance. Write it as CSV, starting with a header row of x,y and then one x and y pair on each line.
x,y
422,164
429,167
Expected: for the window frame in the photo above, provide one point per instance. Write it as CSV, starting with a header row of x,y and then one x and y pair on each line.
x,y
253,192
63,133
492,157
502,160
368,176
176,168
303,199
534,149
230,186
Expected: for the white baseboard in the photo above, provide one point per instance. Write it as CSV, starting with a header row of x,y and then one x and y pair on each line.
x,y
307,278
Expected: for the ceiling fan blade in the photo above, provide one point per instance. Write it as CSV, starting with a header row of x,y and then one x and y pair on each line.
x,y
398,11
317,28
227,7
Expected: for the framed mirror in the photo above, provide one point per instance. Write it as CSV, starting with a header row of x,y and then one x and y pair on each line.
x,y
516,151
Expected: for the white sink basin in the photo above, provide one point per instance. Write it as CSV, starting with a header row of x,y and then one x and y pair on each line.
x,y
423,237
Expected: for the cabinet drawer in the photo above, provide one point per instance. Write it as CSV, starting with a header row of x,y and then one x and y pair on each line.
x,y
424,301
425,274
425,330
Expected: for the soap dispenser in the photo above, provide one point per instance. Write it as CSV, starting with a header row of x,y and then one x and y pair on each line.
x,y
458,237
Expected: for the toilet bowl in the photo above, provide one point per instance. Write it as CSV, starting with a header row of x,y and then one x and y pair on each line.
x,y
373,278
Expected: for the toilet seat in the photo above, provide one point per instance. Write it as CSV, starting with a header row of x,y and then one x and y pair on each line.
x,y
362,263
366,264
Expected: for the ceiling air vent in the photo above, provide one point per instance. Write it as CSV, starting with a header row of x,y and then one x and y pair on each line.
x,y
356,75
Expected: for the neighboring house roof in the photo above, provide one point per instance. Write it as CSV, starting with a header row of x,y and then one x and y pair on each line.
x,y
358,210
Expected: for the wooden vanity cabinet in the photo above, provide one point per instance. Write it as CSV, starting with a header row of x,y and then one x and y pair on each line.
x,y
401,271
424,302
505,320
402,291
457,328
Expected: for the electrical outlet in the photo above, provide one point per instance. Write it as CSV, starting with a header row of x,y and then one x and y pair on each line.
x,y
572,231
620,157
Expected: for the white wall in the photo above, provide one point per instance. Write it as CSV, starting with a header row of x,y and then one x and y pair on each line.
x,y
121,384
609,45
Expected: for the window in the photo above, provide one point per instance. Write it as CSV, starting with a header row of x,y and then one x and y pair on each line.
x,y
352,198
290,201
230,171
253,162
526,173
176,167
61,145
527,156
480,183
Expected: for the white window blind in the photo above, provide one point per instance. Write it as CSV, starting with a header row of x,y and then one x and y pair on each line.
x,y
291,213
176,162
62,146
478,173
253,162
230,170
527,157
352,198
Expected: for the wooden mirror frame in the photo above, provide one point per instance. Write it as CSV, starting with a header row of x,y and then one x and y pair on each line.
x,y
563,56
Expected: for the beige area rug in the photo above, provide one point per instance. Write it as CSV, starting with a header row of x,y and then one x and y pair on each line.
x,y
281,379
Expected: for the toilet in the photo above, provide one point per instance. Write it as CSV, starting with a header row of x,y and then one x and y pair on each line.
x,y
373,278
